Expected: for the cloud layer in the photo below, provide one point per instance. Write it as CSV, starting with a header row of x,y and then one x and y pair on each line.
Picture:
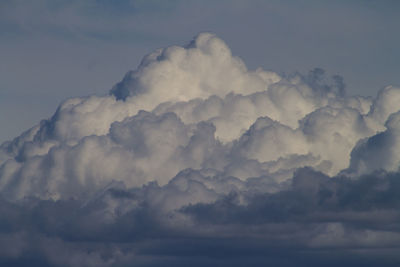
x,y
194,159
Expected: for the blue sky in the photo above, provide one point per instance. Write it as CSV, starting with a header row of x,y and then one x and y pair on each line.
x,y
52,50
192,159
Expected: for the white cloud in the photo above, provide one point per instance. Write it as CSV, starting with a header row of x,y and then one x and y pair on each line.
x,y
192,143
204,110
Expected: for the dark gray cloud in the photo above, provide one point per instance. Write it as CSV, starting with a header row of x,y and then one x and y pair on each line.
x,y
314,220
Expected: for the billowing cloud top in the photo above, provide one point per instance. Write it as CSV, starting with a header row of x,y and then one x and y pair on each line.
x,y
194,146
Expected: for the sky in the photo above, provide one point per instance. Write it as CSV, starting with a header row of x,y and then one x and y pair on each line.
x,y
187,133
53,50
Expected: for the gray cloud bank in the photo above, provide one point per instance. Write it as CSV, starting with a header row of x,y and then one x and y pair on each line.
x,y
192,159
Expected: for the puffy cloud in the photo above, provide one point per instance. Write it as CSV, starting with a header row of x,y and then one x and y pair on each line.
x,y
191,153
379,151
203,68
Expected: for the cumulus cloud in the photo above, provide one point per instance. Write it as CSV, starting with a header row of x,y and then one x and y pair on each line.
x,y
194,159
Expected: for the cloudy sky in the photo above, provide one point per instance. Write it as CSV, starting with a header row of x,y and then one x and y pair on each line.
x,y
52,50
188,133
